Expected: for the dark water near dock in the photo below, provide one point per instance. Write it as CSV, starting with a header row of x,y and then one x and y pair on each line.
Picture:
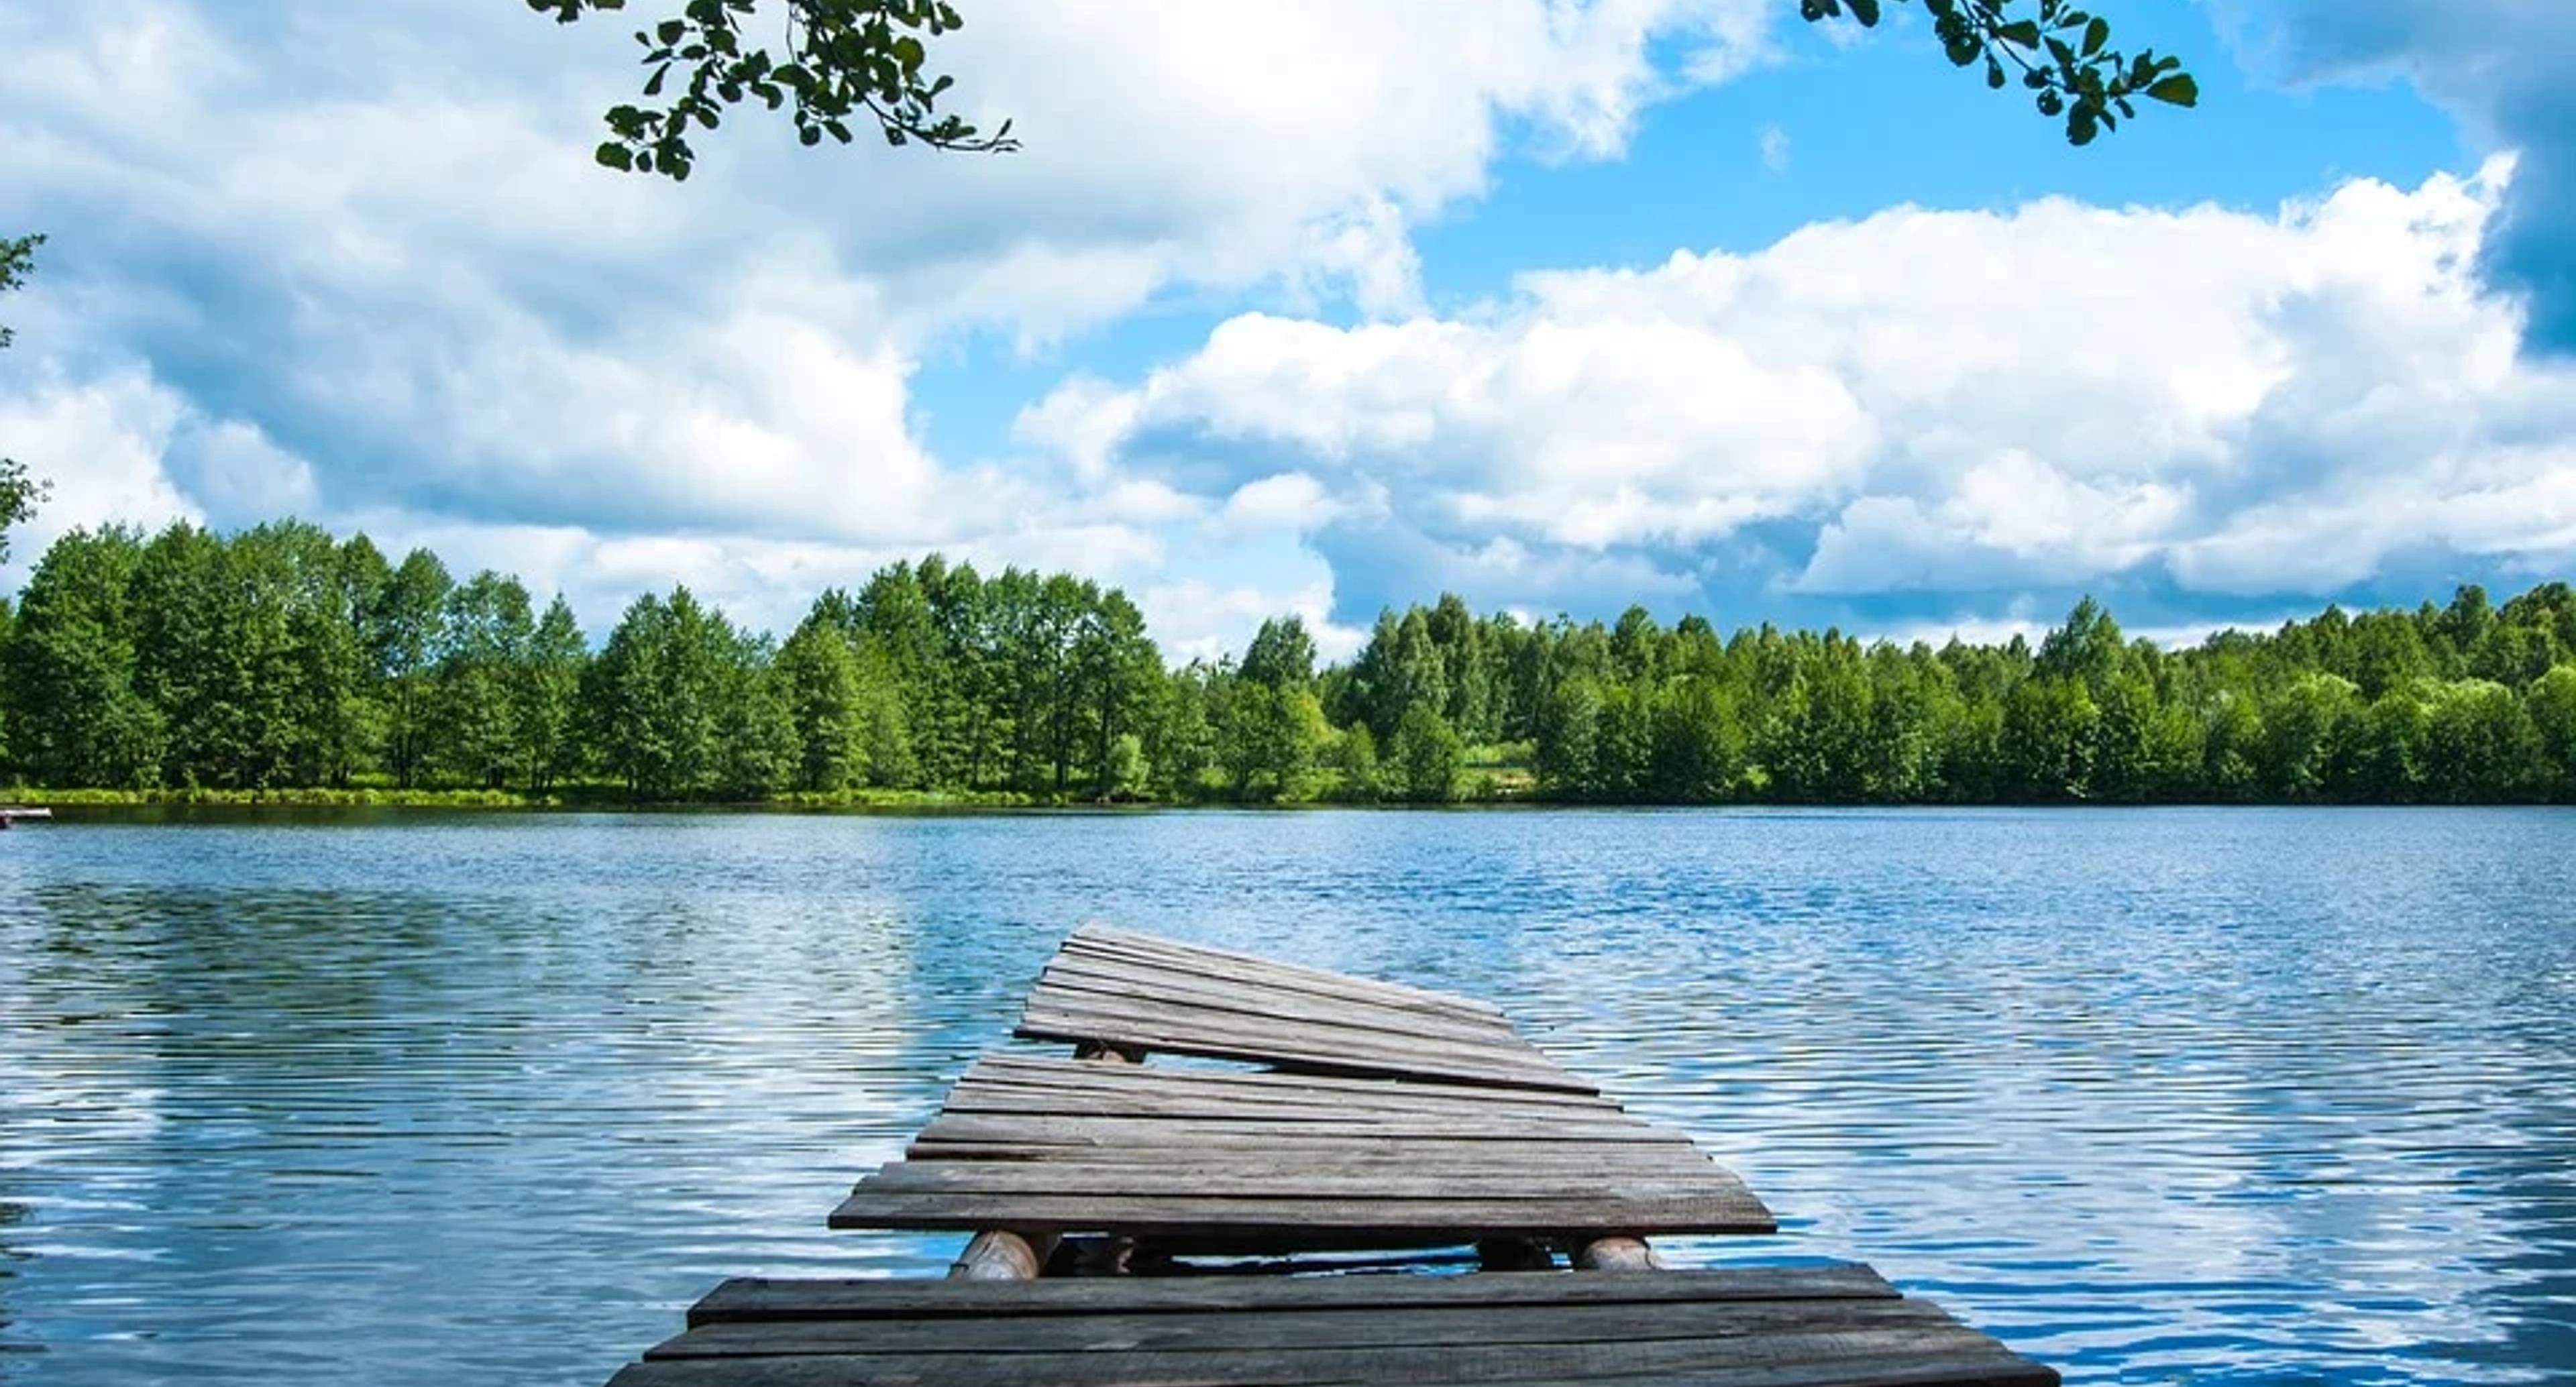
x,y
2207,1095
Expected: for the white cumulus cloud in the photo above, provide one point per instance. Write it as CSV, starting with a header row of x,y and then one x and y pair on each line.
x,y
1921,399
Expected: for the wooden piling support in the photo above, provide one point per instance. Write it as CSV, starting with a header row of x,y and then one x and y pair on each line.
x,y
998,1254
1617,1254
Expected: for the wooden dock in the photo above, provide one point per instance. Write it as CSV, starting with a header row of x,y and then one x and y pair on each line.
x,y
1105,1194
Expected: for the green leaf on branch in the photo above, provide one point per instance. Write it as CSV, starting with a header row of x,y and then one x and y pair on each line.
x,y
2177,90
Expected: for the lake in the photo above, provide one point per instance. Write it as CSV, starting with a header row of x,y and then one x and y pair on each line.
x,y
2215,1095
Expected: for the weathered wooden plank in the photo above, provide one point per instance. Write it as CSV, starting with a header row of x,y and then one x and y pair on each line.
x,y
1630,1165
1227,963
1290,1180
1058,1010
1118,971
1037,1129
1091,973
1327,1049
1057,991
759,1298
1966,1367
1351,1156
1896,1354
1400,1222
1056,1100
1266,1331
1048,1100
1008,1067
1301,1174
1157,1081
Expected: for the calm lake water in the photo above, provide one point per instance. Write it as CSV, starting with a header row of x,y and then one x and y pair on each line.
x,y
2206,1095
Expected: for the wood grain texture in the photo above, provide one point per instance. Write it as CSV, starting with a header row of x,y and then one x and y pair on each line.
x,y
1351,1222
774,1298
1113,987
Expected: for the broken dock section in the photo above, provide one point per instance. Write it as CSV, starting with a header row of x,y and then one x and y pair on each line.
x,y
1102,1190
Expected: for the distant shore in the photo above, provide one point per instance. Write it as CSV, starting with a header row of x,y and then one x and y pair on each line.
x,y
602,799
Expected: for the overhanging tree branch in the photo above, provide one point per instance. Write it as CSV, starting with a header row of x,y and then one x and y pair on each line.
x,y
839,62
844,62
2062,52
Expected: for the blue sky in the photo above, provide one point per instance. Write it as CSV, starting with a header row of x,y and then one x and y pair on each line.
x,y
1322,307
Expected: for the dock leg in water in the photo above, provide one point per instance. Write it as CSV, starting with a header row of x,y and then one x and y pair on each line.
x,y
996,1255
1000,1255
1617,1254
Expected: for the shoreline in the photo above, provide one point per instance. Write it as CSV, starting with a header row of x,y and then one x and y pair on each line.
x,y
78,803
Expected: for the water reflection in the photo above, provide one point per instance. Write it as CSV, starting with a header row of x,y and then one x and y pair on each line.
x,y
2219,1095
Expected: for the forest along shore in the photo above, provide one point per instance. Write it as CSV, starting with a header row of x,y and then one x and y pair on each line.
x,y
282,664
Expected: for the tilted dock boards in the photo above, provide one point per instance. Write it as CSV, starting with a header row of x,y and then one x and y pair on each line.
x,y
1385,1117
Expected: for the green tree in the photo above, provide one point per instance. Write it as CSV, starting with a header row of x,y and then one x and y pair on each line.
x,y
359,582
2479,743
1183,737
2551,705
755,751
1282,655
1119,671
1355,757
2389,746
821,677
1623,742
481,670
2051,730
548,693
322,667
1268,738
2087,649
212,655
622,700
1569,719
1426,755
2311,734
1698,743
402,635
1128,774
74,715
2128,760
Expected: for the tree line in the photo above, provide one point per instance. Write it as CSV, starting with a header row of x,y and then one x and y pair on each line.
x,y
282,657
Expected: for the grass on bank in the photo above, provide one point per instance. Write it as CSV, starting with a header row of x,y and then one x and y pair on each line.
x,y
575,796
1488,774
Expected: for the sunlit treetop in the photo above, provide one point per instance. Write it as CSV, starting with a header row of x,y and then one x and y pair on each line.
x,y
840,64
